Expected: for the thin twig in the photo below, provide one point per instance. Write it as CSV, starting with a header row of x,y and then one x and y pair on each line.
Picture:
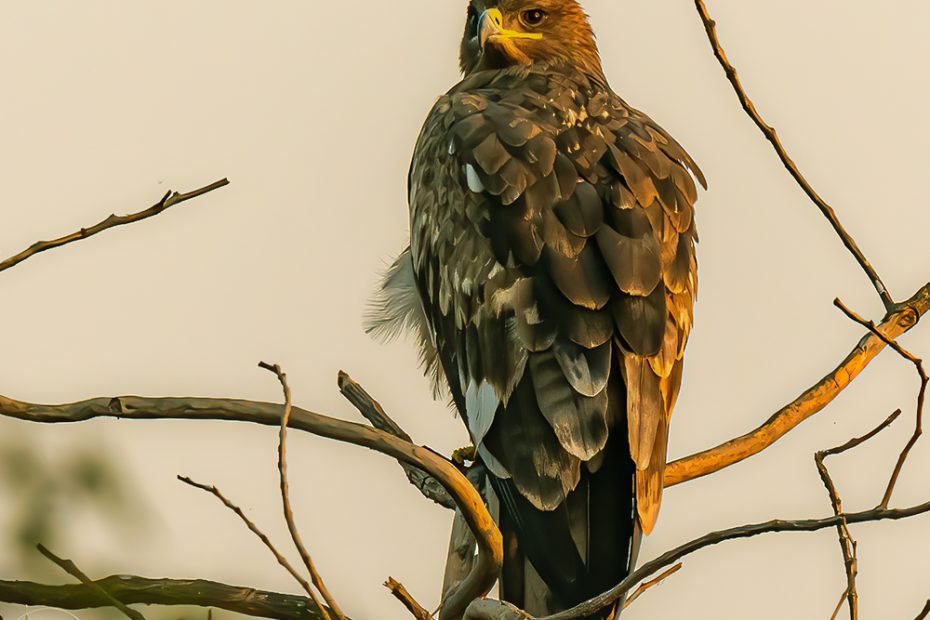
x,y
839,605
668,558
402,595
286,496
69,567
848,545
651,583
261,536
921,394
169,200
710,26
812,401
924,612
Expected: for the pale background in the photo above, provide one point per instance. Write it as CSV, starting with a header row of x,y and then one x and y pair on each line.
x,y
311,109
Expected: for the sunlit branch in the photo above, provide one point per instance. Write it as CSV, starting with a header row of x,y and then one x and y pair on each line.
x,y
812,401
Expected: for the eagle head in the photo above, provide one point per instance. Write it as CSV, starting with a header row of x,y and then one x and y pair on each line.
x,y
506,33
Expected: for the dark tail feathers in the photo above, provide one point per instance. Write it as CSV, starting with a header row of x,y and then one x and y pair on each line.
x,y
583,548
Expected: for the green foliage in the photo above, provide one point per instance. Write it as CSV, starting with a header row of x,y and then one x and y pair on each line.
x,y
45,489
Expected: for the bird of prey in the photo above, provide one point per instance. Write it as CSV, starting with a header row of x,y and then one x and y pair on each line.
x,y
551,278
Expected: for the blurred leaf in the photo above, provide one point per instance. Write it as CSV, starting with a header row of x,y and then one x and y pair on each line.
x,y
45,490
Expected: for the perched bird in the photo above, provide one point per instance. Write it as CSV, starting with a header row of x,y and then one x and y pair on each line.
x,y
551,277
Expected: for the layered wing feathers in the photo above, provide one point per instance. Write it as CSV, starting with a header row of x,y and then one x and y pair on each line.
x,y
552,234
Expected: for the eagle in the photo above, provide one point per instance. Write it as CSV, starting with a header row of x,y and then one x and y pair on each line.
x,y
550,280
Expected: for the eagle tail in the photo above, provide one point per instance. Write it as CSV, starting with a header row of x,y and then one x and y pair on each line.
x,y
557,559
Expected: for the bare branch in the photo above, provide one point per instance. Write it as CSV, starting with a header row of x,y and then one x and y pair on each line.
x,y
372,411
486,609
711,27
812,401
839,604
848,546
745,531
168,200
286,497
649,584
468,500
921,394
133,590
925,612
402,595
460,557
69,567
261,536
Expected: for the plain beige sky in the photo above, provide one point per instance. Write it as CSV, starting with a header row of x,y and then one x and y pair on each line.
x,y
311,109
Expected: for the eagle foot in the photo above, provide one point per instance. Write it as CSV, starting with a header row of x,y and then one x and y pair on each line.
x,y
460,456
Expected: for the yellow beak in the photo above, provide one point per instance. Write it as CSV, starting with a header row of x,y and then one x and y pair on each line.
x,y
491,28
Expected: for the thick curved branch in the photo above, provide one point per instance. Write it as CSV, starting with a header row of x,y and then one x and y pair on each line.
x,y
711,27
812,401
143,591
745,531
469,501
169,200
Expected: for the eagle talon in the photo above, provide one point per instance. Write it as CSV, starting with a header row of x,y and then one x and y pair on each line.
x,y
460,456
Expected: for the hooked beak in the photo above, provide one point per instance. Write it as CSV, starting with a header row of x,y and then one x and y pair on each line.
x,y
491,28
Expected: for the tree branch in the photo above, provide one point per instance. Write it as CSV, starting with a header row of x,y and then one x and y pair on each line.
x,y
486,609
924,612
651,584
812,401
745,531
168,200
372,411
490,547
460,556
710,26
406,599
71,568
848,546
286,497
921,394
133,590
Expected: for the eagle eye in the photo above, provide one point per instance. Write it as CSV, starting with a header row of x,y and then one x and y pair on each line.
x,y
533,17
